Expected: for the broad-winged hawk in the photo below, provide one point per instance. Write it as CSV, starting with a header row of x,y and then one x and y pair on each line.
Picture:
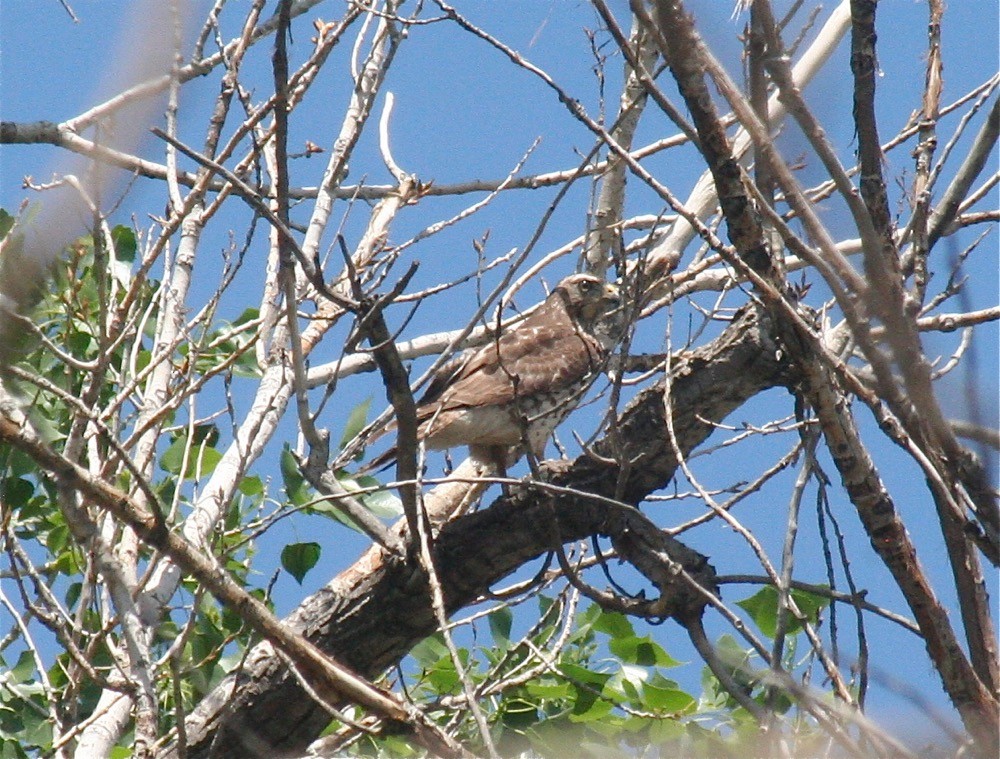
x,y
514,391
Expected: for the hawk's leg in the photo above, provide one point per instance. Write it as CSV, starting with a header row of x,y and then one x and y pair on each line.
x,y
496,460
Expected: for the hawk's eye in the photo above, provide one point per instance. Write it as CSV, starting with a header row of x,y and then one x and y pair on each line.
x,y
586,286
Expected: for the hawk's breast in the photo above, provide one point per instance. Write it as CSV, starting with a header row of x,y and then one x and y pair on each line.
x,y
532,416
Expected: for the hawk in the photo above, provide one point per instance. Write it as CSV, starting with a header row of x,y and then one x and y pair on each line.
x,y
515,390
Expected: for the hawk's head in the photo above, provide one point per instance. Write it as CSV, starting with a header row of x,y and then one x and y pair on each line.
x,y
588,299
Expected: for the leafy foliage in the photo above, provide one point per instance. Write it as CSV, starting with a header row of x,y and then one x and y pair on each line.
x,y
605,691
203,639
70,318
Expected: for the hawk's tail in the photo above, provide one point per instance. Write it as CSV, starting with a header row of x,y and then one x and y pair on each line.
x,y
380,463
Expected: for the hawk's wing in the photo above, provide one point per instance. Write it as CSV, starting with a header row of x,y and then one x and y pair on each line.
x,y
532,359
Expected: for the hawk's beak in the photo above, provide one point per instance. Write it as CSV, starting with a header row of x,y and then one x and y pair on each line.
x,y
612,295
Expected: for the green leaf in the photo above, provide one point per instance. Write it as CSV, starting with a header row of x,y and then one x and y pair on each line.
x,y
324,508
295,485
299,558
630,689
24,669
246,365
11,749
662,682
16,491
519,714
666,731
206,433
290,473
356,421
549,691
589,707
732,653
73,594
429,651
671,700
66,563
544,604
762,607
810,604
18,462
391,745
202,459
500,623
443,677
80,342
57,539
125,243
251,485
643,651
6,223
614,624
381,503
207,460
738,661
583,675
248,315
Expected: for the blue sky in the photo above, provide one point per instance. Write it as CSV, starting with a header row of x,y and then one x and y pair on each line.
x,y
463,112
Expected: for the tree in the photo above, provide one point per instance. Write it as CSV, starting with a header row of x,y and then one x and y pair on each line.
x,y
171,415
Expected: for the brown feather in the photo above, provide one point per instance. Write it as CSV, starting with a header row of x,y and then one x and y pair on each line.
x,y
544,359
